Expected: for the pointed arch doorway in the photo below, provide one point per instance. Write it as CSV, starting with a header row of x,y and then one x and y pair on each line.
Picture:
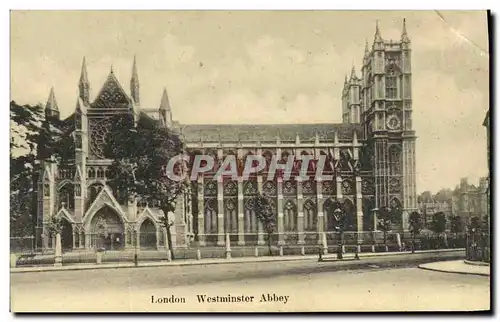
x,y
147,234
66,235
107,230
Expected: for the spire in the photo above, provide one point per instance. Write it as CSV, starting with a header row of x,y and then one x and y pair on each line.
x,y
165,104
134,83
51,108
165,112
345,79
135,77
84,85
51,101
404,34
353,73
378,36
367,51
83,76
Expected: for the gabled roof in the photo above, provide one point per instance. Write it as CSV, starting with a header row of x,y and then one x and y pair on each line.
x,y
112,94
268,132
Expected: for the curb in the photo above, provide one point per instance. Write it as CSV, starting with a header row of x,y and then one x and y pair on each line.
x,y
468,262
451,272
332,257
18,270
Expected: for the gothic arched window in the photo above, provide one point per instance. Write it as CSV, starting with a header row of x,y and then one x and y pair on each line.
x,y
391,83
394,160
231,217
67,195
290,216
251,220
309,216
94,191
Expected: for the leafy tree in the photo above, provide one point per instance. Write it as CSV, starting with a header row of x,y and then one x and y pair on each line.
x,y
55,225
140,154
416,224
475,223
456,225
438,224
485,224
25,126
425,196
384,222
396,214
265,214
443,195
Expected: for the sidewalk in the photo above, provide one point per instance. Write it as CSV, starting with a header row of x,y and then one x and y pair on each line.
x,y
458,267
213,261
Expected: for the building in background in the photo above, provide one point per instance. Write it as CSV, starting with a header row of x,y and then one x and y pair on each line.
x,y
486,123
469,200
429,209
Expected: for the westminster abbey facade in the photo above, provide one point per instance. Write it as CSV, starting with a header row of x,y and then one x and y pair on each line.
x,y
370,156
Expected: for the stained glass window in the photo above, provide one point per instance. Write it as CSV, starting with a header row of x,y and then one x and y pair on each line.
x,y
98,137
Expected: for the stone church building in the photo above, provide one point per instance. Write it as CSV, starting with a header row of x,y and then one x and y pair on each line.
x,y
371,156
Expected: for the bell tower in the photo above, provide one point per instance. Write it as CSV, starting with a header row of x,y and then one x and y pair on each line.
x,y
387,120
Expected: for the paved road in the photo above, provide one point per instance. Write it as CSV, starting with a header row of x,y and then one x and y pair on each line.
x,y
381,284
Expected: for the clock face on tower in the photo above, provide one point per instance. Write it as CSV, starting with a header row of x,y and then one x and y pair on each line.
x,y
393,122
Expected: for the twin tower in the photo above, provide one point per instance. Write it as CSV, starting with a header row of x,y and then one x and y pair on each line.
x,y
385,81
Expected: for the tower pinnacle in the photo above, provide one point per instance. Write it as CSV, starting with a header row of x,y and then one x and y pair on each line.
x,y
378,36
164,104
84,85
404,34
51,108
353,73
134,83
367,51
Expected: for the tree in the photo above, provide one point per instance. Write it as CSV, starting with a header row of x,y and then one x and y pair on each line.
x,y
438,224
425,197
265,214
416,224
384,222
444,195
140,154
33,138
456,225
55,225
485,224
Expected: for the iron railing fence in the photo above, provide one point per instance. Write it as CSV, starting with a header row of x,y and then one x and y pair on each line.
x,y
478,247
245,245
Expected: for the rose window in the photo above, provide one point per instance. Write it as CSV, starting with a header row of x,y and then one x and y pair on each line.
x,y
99,136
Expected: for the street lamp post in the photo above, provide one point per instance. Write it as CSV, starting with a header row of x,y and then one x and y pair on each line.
x,y
338,214
136,257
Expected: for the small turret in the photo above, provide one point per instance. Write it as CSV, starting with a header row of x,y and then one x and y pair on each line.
x,y
404,34
134,84
51,108
165,111
84,85
378,36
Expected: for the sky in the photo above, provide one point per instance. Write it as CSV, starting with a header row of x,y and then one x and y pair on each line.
x,y
268,67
